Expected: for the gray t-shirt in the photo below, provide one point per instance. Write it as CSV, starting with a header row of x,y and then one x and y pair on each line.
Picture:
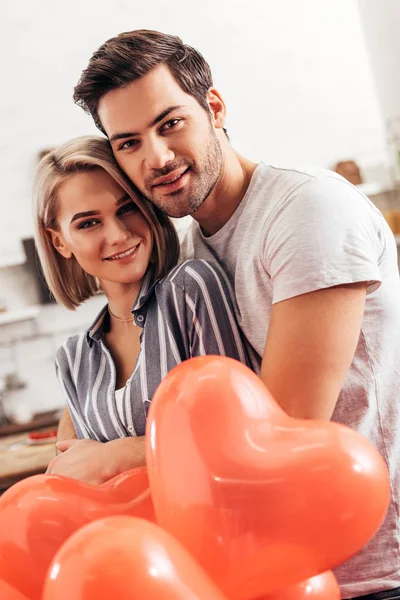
x,y
297,231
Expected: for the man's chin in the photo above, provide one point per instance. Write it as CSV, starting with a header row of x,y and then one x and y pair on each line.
x,y
179,212
175,211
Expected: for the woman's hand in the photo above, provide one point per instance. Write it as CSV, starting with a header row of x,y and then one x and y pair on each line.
x,y
96,462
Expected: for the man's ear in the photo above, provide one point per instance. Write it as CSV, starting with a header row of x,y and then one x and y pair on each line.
x,y
59,243
217,108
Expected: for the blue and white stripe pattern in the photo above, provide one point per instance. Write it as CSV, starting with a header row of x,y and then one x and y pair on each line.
x,y
188,313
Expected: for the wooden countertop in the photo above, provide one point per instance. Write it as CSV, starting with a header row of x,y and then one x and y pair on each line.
x,y
19,460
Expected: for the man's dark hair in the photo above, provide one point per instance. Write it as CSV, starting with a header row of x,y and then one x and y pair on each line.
x,y
131,55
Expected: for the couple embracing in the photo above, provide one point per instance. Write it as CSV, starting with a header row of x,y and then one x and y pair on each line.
x,y
290,271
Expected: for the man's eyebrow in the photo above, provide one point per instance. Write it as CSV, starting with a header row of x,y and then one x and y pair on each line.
x,y
158,118
93,213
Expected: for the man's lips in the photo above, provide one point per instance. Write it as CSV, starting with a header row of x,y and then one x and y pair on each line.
x,y
172,177
123,254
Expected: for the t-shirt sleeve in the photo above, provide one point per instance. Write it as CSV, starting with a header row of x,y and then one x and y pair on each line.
x,y
67,384
324,234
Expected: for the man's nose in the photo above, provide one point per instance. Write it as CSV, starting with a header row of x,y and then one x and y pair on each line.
x,y
158,153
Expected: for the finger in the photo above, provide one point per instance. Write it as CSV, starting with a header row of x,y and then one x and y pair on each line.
x,y
49,469
66,445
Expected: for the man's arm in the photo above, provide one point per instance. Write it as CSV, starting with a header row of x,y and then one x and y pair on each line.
x,y
310,344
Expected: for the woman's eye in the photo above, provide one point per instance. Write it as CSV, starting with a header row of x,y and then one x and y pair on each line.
x,y
128,208
88,224
128,144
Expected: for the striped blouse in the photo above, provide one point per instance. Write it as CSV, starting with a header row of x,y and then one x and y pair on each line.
x,y
188,313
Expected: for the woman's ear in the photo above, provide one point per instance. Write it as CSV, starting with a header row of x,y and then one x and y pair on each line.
x,y
217,108
59,243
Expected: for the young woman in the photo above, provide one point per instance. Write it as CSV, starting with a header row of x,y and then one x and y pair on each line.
x,y
94,232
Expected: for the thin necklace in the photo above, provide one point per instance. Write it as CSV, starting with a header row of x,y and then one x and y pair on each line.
x,y
121,320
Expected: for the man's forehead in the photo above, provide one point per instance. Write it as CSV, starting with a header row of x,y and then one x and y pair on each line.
x,y
141,101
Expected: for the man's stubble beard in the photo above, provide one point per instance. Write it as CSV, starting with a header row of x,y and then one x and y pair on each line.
x,y
205,177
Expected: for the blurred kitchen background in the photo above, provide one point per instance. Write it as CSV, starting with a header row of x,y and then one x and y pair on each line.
x,y
309,82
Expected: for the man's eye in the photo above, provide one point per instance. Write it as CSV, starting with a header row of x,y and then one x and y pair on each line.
x,y
128,144
170,124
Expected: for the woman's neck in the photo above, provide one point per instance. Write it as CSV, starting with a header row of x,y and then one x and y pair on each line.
x,y
121,297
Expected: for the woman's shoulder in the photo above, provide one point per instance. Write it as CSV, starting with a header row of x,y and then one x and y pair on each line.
x,y
68,351
194,272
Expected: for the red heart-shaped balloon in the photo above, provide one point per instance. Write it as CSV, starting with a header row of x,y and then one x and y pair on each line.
x,y
260,499
126,558
10,593
320,587
38,514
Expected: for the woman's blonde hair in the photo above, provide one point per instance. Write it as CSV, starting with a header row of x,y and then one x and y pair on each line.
x,y
66,279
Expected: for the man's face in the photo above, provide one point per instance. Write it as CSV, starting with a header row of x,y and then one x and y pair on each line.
x,y
164,141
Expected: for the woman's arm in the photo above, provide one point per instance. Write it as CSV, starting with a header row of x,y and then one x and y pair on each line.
x,y
203,300
86,459
66,429
72,424
96,462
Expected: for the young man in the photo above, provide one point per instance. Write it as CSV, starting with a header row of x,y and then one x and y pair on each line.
x,y
312,261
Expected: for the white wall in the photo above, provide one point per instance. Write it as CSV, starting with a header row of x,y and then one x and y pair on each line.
x,y
294,73
381,24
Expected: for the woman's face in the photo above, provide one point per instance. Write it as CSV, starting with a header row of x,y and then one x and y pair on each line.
x,y
102,228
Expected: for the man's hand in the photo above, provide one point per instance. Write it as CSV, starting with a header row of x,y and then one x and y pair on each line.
x,y
94,462
310,344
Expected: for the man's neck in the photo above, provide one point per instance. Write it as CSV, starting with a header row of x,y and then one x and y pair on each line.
x,y
228,192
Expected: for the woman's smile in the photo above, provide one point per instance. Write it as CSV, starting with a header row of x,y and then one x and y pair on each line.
x,y
126,255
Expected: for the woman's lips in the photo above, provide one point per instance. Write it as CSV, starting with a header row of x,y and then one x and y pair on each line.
x,y
124,256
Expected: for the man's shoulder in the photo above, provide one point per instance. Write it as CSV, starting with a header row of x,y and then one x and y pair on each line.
x,y
271,171
274,194
282,181
310,190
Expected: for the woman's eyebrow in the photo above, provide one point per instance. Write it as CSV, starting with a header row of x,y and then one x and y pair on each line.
x,y
88,213
92,213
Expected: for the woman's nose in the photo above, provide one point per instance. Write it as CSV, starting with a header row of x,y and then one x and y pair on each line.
x,y
117,232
